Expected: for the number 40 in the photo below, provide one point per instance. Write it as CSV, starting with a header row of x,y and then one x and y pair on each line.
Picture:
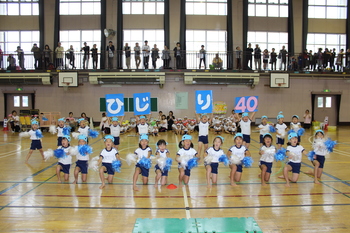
x,y
246,104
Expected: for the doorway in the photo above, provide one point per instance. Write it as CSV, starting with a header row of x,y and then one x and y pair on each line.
x,y
326,105
18,101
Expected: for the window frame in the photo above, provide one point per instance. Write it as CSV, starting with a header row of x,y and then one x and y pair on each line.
x,y
21,6
80,8
206,5
254,4
128,7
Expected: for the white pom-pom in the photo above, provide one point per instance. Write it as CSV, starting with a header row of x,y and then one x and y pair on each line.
x,y
208,159
319,144
161,163
130,158
184,160
53,129
73,150
152,157
75,135
93,164
235,159
48,154
24,134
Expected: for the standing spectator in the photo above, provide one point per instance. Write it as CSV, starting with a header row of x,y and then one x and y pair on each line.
x,y
340,60
146,51
202,56
127,51
312,60
177,55
86,56
71,56
347,58
273,59
166,57
47,56
1,58
306,61
307,119
326,58
12,62
320,59
249,57
59,56
20,55
238,58
283,56
170,118
155,56
266,59
332,58
37,55
110,50
257,57
94,56
137,50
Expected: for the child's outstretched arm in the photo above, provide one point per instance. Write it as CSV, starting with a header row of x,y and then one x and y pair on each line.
x,y
197,117
252,116
211,118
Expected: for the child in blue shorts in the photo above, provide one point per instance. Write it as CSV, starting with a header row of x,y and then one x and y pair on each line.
x,y
213,154
203,131
35,135
185,153
267,152
294,154
107,156
162,152
64,162
82,163
143,151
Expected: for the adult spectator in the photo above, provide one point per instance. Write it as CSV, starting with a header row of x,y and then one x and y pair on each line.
x,y
146,51
155,56
170,118
12,62
110,50
283,56
257,57
83,115
217,62
37,55
20,55
47,56
86,55
14,121
71,121
127,51
249,57
178,55
59,56
137,50
166,57
202,56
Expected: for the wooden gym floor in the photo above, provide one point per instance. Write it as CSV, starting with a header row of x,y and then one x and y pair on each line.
x,y
32,201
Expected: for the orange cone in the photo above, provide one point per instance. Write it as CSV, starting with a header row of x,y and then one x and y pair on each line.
x,y
5,128
171,186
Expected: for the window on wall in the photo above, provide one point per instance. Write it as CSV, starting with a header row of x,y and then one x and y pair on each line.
x,y
268,40
9,40
19,7
78,37
330,41
80,7
268,8
143,7
206,7
328,9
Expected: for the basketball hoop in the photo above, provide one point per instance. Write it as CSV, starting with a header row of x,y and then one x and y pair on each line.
x,y
66,85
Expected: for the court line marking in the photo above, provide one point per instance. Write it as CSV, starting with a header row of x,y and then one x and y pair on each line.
x,y
176,208
26,193
182,196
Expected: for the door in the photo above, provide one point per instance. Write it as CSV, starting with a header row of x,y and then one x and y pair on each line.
x,y
326,105
18,102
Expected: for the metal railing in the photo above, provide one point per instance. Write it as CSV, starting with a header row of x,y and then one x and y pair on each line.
x,y
185,60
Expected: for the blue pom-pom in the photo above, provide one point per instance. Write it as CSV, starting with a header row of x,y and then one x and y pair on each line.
x,y
44,119
330,144
84,150
192,163
59,153
145,163
290,131
38,134
116,164
247,161
310,155
280,154
301,132
272,129
168,163
66,130
93,133
224,159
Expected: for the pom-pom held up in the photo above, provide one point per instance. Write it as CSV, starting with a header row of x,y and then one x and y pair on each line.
x,y
235,160
93,164
24,134
93,133
192,163
280,154
66,130
38,134
116,164
223,159
272,129
330,144
301,132
145,163
130,158
59,153
52,129
85,150
247,161
73,151
48,154
311,155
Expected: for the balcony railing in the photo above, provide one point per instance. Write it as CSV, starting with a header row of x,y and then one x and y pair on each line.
x,y
185,60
